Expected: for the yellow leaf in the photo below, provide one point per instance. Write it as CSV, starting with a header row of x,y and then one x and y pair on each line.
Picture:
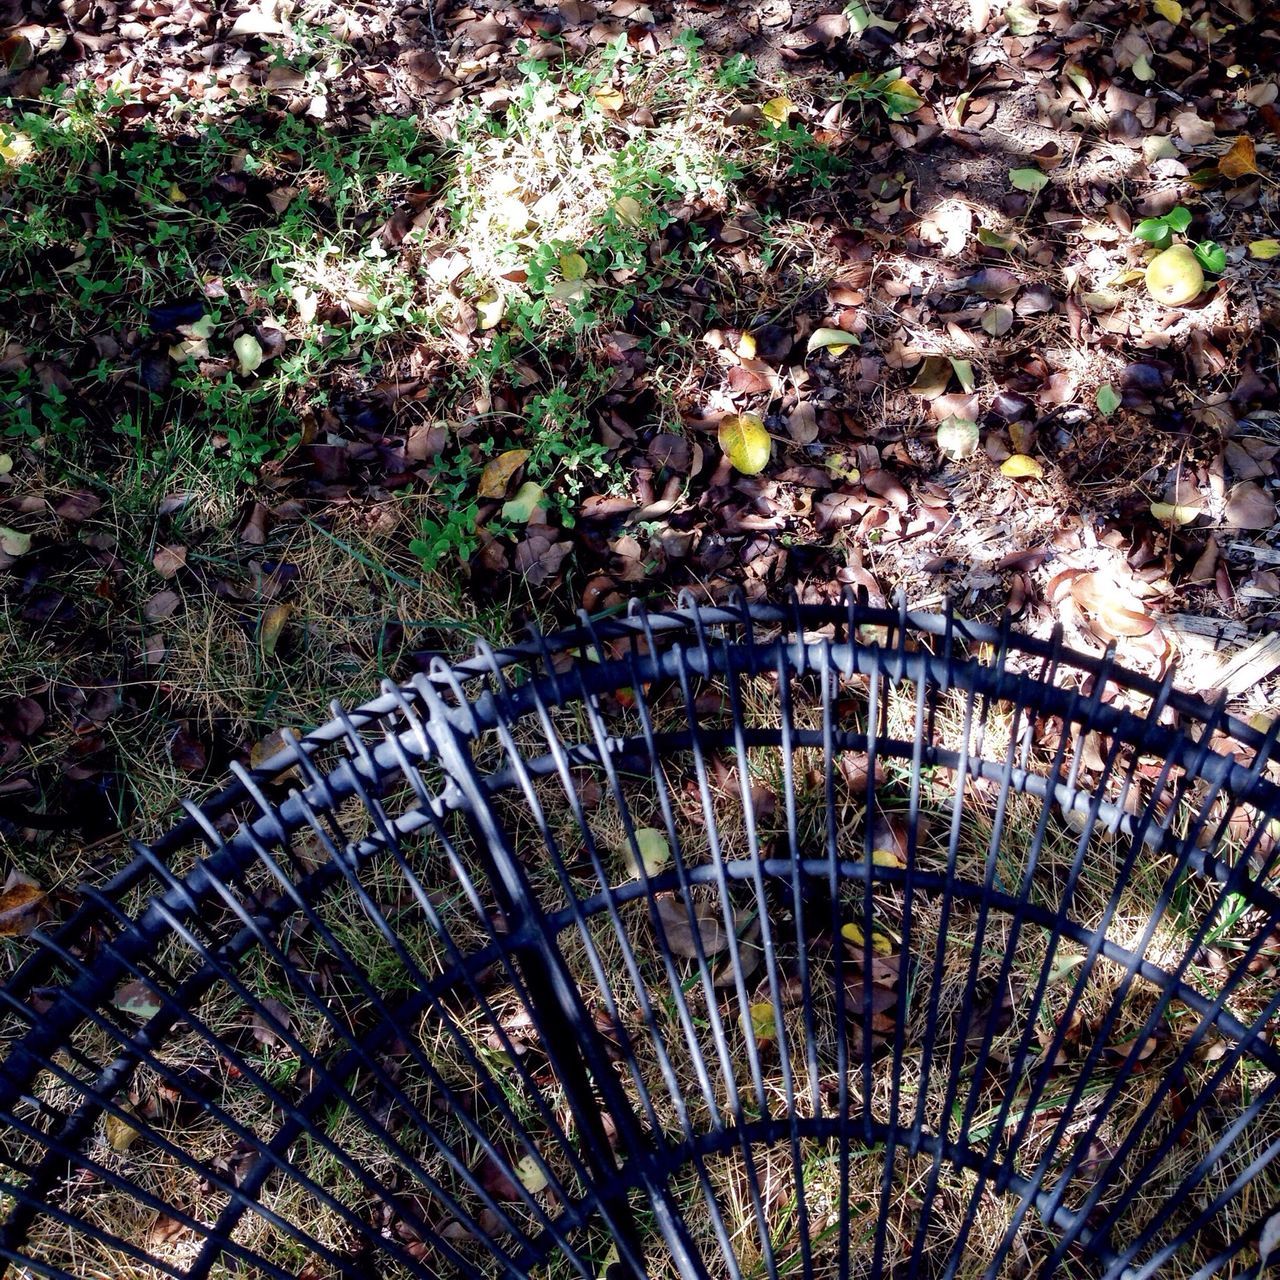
x,y
19,904
1021,467
609,100
249,352
1174,512
655,851
764,1025
903,97
885,858
745,441
274,622
489,310
1264,250
531,1176
13,542
628,210
121,1135
776,110
15,147
1170,10
498,472
1240,160
573,266
746,349
880,945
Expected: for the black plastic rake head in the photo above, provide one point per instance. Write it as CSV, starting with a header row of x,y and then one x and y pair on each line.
x,y
749,941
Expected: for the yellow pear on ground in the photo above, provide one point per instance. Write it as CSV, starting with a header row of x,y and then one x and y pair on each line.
x,y
1174,277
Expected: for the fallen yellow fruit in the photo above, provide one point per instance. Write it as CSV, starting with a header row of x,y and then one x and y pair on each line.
x,y
1174,277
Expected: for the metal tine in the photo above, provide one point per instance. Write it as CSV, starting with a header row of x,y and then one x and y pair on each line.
x,y
707,667
631,961
493,1095
785,671
67,1150
932,1015
867,876
575,906
356,974
959,1045
431,807
569,1036
752,661
676,986
100,1094
681,871
357,1054
443,720
833,663
923,688
118,1245
1136,848
927,1051
1206,1215
1237,879
1048,671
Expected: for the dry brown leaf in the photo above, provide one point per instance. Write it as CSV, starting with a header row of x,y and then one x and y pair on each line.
x,y
1248,507
1241,160
168,560
1110,606
678,928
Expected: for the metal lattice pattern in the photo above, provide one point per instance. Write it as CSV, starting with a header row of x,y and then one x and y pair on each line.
x,y
729,942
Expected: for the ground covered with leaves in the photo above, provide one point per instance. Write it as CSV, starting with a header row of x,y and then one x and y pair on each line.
x,y
335,336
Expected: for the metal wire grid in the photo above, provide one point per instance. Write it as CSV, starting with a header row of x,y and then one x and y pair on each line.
x,y
437,761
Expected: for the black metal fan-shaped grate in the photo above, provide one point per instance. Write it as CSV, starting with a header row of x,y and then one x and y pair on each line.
x,y
739,941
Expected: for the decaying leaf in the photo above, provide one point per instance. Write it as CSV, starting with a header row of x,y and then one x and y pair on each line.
x,y
137,998
1115,611
121,1135
1249,507
1176,512
274,622
21,901
679,930
531,1176
13,542
1241,160
764,1022
881,943
498,472
528,498
776,110
958,437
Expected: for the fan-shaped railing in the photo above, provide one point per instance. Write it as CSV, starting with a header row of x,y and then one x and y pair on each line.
x,y
736,941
